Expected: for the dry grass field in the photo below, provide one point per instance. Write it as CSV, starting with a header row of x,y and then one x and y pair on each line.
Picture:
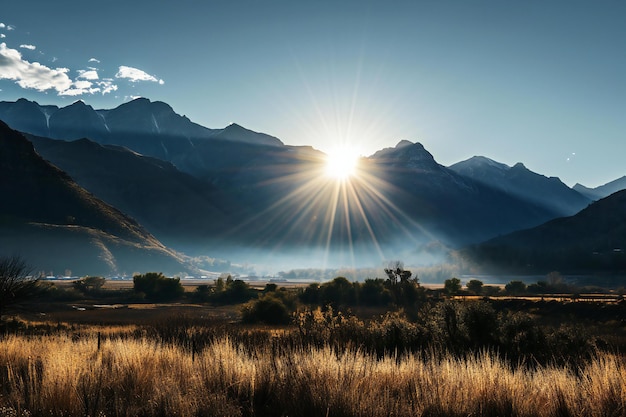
x,y
130,374
455,358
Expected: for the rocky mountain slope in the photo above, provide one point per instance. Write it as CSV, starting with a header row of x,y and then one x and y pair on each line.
x,y
56,225
523,183
592,241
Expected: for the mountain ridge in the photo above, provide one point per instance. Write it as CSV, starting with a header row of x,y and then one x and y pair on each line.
x,y
518,180
267,196
47,214
591,241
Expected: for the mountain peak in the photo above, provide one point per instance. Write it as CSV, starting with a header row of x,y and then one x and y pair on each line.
x,y
403,143
408,154
238,133
478,162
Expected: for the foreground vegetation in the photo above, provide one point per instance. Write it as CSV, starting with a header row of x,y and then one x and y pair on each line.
x,y
135,372
379,348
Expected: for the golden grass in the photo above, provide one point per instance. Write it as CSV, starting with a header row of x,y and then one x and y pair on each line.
x,y
69,376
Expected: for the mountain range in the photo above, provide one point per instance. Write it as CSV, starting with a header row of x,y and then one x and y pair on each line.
x,y
57,225
226,191
603,190
590,242
522,182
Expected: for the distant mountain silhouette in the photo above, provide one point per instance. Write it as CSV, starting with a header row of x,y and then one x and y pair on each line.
x,y
603,190
241,134
521,182
249,189
174,206
137,117
460,208
594,240
55,224
150,128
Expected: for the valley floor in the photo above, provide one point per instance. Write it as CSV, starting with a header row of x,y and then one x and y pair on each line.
x,y
109,354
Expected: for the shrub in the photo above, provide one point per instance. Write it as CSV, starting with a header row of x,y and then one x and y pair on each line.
x,y
267,309
157,287
515,287
16,283
475,286
89,285
235,292
452,286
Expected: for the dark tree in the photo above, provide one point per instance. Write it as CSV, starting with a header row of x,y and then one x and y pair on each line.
x,y
89,284
475,286
157,287
515,287
16,283
339,292
396,273
267,309
452,285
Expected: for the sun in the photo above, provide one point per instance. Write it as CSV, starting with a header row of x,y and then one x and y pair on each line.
x,y
342,163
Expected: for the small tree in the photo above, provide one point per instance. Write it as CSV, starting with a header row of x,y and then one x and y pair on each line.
x,y
268,309
396,273
16,283
202,293
89,284
515,287
475,286
157,287
452,285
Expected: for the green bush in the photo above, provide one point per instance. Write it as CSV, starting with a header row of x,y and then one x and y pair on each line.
x,y
157,287
267,309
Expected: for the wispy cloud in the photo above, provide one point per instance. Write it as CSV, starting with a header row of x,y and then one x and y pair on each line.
x,y
91,74
107,86
135,74
31,75
79,88
45,78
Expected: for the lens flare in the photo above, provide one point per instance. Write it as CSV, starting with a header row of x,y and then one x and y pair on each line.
x,y
341,208
342,163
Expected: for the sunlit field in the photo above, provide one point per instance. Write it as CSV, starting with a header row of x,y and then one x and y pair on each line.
x,y
165,371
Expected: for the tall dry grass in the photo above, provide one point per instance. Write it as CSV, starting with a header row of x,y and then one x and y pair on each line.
x,y
65,376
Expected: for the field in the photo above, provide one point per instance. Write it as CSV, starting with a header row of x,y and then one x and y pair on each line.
x,y
464,357
124,371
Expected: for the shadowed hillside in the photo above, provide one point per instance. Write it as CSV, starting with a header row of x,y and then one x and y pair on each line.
x,y
52,222
593,240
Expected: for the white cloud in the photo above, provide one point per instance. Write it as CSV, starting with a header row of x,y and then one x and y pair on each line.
x,y
94,60
134,75
2,36
2,25
107,86
10,27
41,78
88,75
26,46
79,88
31,75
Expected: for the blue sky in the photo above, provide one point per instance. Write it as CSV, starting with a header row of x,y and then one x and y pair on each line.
x,y
541,82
